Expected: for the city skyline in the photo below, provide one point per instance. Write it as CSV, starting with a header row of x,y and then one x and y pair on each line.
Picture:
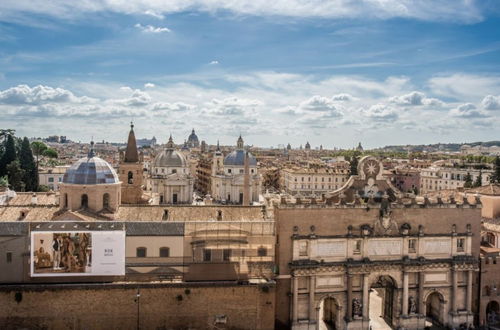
x,y
333,74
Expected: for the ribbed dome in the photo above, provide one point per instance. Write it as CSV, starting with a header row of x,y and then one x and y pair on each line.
x,y
170,158
193,137
237,158
90,170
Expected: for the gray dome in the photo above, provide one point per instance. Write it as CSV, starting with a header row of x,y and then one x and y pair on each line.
x,y
237,158
192,137
90,170
170,158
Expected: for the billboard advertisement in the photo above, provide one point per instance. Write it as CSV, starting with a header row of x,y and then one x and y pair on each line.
x,y
77,253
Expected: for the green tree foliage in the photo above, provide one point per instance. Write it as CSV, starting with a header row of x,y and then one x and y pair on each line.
x,y
468,181
354,165
479,180
495,177
15,174
4,181
9,154
27,163
50,153
38,148
43,188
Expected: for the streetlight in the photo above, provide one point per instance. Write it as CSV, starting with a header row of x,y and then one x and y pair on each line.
x,y
137,300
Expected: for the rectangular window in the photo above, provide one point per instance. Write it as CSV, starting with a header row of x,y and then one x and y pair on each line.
x,y
51,179
461,245
303,249
141,252
207,255
226,254
9,257
412,246
262,252
357,246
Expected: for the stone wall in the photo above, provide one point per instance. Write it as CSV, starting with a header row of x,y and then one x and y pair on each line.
x,y
115,306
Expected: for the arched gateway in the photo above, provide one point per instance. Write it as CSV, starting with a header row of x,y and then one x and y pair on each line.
x,y
363,257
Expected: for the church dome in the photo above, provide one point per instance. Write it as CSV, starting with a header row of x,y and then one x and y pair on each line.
x,y
170,158
90,170
237,158
193,138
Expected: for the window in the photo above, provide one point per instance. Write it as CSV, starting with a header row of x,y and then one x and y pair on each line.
x,y
164,252
219,215
207,255
241,171
412,246
51,179
461,245
59,179
165,215
228,170
141,252
303,249
9,257
174,171
357,246
130,177
105,201
226,254
262,251
85,201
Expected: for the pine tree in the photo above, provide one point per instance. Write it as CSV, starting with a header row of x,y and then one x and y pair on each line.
x,y
479,180
9,154
468,181
38,149
27,163
15,174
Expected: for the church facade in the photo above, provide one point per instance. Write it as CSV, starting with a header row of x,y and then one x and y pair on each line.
x,y
368,256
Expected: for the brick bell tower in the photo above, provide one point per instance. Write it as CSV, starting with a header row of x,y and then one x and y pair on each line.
x,y
131,171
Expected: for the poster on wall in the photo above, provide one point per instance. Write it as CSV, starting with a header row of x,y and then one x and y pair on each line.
x,y
77,253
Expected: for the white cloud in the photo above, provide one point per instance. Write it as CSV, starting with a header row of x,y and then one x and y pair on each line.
x,y
464,86
177,106
321,104
381,112
137,99
154,14
24,94
149,85
433,10
413,98
152,29
491,102
214,62
343,97
467,110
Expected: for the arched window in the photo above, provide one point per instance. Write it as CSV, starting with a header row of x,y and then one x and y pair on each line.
x,y
65,200
130,177
164,252
105,201
141,252
85,201
219,215
165,215
174,171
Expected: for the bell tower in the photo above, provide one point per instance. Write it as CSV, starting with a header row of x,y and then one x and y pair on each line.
x,y
131,171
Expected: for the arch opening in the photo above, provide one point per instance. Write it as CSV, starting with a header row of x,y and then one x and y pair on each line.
x,y
493,313
329,314
130,177
381,302
84,201
434,310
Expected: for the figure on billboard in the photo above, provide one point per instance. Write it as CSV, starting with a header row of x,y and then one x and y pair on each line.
x,y
69,252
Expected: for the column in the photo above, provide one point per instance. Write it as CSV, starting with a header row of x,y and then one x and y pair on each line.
x,y
469,291
295,301
312,290
349,298
454,291
405,294
366,297
421,302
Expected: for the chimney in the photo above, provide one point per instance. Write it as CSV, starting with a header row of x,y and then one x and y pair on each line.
x,y
34,199
246,182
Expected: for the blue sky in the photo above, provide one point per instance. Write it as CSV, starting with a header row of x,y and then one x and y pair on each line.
x,y
330,72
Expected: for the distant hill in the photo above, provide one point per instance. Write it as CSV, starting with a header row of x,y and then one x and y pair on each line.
x,y
437,146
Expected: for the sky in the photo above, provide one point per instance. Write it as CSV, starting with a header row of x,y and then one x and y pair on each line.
x,y
331,72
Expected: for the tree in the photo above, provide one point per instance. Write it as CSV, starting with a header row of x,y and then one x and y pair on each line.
x,y
28,165
9,154
495,177
38,148
468,181
354,165
15,174
479,180
51,153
